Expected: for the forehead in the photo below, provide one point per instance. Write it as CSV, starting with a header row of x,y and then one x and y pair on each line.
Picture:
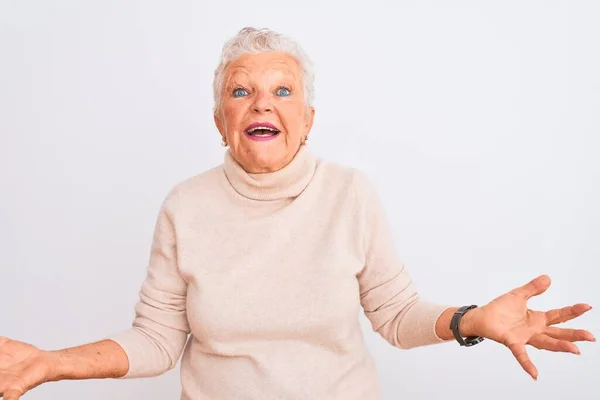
x,y
271,64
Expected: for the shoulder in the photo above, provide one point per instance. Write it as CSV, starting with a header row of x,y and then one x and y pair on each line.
x,y
348,180
202,182
193,188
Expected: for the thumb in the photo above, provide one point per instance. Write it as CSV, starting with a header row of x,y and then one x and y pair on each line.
x,y
534,287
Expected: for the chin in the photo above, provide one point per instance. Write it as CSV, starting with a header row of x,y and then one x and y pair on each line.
x,y
266,161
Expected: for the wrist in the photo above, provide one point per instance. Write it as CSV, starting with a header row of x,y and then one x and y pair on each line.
x,y
52,364
468,323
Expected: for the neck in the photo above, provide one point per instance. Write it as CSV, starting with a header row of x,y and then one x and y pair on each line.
x,y
286,182
259,169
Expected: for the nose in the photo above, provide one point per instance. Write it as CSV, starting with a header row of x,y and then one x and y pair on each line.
x,y
262,103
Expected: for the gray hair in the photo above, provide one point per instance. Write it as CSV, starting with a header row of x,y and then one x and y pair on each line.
x,y
255,41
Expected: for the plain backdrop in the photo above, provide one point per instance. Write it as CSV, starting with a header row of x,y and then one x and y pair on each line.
x,y
477,121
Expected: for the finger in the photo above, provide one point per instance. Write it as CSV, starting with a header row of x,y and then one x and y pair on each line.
x,y
572,335
534,287
11,395
545,342
520,353
560,315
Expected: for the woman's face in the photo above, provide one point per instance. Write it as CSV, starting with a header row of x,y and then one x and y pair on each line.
x,y
263,91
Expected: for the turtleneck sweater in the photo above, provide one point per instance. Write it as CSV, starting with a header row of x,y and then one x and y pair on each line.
x,y
256,283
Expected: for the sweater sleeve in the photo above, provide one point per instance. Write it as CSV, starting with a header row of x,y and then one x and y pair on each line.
x,y
160,328
388,295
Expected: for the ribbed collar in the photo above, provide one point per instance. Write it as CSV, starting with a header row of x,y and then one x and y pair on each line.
x,y
288,182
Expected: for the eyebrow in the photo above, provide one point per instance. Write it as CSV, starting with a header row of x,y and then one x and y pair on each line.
x,y
233,83
239,76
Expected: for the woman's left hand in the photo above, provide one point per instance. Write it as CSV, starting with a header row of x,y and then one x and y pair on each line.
x,y
507,320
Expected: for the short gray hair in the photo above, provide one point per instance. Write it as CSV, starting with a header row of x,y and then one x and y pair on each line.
x,y
255,41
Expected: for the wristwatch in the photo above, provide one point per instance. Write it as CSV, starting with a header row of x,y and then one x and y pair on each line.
x,y
455,323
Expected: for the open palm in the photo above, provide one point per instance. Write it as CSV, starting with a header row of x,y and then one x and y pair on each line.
x,y
509,321
22,367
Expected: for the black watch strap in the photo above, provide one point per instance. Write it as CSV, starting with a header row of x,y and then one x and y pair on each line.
x,y
455,323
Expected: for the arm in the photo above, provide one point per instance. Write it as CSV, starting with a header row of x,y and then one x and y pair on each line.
x,y
442,326
388,295
159,331
150,347
160,328
24,366
395,310
103,359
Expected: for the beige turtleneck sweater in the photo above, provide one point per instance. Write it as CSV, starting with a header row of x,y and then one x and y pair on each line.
x,y
266,275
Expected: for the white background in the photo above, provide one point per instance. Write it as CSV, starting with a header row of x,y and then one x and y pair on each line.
x,y
477,121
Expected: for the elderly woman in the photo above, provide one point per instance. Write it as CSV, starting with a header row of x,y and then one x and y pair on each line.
x,y
259,266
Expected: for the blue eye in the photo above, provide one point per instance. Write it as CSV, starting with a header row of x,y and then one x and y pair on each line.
x,y
239,92
283,91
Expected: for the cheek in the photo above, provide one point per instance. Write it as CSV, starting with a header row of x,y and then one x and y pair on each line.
x,y
292,115
233,115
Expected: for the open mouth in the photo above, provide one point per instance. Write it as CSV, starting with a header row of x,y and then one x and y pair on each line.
x,y
262,130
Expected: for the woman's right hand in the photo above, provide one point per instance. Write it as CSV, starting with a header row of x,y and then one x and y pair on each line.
x,y
22,368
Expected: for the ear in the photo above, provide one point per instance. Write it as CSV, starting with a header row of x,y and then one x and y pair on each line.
x,y
219,123
309,119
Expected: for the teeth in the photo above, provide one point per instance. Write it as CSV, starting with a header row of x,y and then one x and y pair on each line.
x,y
262,128
263,134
